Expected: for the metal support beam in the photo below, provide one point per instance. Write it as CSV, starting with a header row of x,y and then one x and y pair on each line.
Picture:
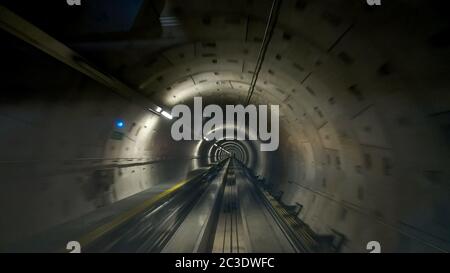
x,y
34,36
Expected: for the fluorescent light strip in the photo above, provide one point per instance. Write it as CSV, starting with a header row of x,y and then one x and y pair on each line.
x,y
166,115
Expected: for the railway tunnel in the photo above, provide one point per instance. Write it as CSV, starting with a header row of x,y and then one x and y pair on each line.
x,y
87,153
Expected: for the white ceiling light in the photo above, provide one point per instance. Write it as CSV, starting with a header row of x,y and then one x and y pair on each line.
x,y
166,115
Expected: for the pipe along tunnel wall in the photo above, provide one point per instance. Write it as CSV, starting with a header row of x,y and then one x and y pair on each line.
x,y
364,126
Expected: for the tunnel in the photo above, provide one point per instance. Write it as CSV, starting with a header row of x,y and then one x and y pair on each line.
x,y
87,150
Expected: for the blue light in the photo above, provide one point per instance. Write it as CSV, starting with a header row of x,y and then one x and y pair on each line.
x,y
120,124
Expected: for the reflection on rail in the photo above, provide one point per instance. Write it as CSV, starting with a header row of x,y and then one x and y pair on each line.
x,y
221,209
225,209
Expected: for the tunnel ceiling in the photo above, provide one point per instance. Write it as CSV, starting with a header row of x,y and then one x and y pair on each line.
x,y
326,60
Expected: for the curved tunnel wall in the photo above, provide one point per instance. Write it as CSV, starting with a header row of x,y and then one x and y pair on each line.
x,y
362,147
62,154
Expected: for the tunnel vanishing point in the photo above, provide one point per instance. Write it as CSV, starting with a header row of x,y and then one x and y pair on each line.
x,y
88,160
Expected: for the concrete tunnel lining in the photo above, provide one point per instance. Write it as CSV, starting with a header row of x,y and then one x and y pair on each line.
x,y
352,115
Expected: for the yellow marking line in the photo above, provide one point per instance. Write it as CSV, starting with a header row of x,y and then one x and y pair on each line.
x,y
107,227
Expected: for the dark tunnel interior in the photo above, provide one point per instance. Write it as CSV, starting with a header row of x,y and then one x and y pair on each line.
x,y
86,109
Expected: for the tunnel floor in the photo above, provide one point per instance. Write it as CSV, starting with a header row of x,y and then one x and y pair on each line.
x,y
224,209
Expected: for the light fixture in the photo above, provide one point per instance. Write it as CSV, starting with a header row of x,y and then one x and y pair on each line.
x,y
158,109
166,115
120,123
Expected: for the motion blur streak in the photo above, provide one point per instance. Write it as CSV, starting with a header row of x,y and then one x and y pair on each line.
x,y
364,111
